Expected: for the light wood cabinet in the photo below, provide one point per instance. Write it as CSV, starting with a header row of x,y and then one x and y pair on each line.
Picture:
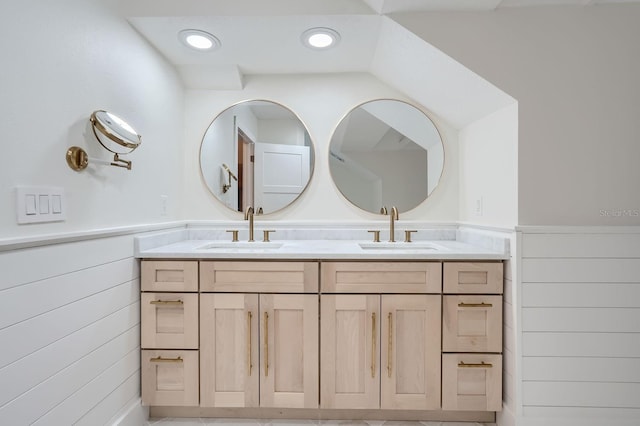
x,y
472,336
381,277
473,277
472,382
350,351
169,320
169,333
229,363
380,350
259,350
169,275
331,335
169,377
410,346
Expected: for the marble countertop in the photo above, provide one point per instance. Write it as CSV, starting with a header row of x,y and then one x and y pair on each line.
x,y
321,250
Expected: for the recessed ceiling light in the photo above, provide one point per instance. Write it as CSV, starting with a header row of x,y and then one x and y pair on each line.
x,y
320,38
199,40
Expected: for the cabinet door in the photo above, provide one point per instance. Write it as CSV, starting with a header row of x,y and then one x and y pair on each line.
x,y
350,351
229,350
289,350
410,369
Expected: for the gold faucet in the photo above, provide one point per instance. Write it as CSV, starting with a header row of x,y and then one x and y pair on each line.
x,y
393,216
248,215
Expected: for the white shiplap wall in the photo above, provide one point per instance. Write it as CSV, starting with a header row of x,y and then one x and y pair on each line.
x,y
580,321
69,332
509,351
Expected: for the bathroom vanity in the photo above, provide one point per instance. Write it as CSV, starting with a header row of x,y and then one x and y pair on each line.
x,y
322,329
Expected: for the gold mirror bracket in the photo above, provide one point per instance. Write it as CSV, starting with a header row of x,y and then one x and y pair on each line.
x,y
77,158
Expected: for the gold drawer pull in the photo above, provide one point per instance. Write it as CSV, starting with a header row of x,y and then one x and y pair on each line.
x,y
160,359
481,365
249,361
167,302
373,344
474,305
390,344
266,344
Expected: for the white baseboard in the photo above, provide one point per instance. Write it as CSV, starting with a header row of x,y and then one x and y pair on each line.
x,y
132,414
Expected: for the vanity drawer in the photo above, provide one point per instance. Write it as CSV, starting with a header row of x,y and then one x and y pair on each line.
x,y
170,378
472,323
264,277
473,277
472,382
169,320
381,277
165,275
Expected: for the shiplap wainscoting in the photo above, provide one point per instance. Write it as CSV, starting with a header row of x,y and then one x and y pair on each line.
x,y
580,322
69,332
507,417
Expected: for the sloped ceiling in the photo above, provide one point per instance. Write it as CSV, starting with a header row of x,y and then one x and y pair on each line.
x,y
261,37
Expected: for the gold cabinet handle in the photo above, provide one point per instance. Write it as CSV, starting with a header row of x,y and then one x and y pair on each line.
x,y
249,362
160,359
474,305
373,344
266,344
167,302
481,365
390,344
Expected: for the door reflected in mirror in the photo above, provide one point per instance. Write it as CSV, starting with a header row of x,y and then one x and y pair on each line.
x,y
256,153
386,153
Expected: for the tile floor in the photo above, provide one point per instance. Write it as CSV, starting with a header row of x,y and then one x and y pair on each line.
x,y
253,422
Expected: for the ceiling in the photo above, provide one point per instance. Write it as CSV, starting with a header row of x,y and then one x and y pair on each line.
x,y
259,37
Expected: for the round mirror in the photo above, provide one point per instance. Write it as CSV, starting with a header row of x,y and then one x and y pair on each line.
x,y
258,154
386,153
113,133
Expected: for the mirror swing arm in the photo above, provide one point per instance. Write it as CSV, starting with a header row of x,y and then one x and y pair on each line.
x,y
114,134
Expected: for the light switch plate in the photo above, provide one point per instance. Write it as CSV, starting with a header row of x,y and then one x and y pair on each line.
x,y
37,204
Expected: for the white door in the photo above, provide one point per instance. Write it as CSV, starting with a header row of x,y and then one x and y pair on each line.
x,y
281,174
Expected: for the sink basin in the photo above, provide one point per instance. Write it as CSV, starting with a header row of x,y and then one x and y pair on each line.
x,y
242,245
401,246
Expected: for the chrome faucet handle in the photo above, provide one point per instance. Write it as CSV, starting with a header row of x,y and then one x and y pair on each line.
x,y
266,235
407,235
376,235
234,234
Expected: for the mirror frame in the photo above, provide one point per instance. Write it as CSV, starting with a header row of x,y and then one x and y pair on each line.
x,y
411,104
312,162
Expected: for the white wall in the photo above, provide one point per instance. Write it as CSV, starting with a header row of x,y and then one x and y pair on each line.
x,y
580,325
489,169
320,101
574,72
69,332
61,61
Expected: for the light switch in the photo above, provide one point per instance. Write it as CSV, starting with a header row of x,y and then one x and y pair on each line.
x,y
40,204
43,203
30,204
56,204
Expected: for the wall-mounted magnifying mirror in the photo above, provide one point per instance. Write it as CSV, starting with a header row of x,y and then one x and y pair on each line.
x,y
386,153
114,134
256,153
